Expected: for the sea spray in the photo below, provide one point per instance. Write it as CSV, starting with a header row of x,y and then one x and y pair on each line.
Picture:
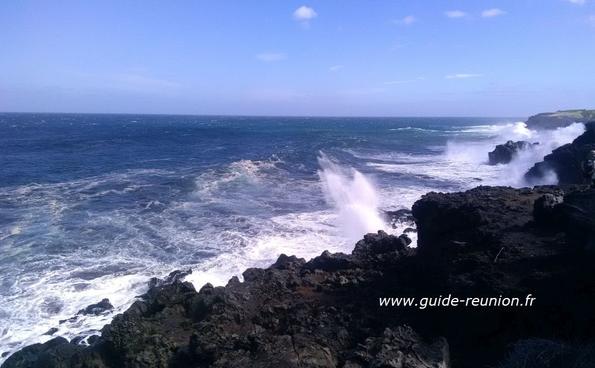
x,y
548,141
473,155
353,196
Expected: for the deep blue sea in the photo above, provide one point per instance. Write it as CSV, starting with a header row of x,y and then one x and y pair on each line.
x,y
92,206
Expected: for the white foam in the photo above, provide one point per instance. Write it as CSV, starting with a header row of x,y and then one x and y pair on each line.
x,y
186,233
470,157
304,235
354,197
354,212
463,163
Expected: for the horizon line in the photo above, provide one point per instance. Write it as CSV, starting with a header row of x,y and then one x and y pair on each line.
x,y
263,115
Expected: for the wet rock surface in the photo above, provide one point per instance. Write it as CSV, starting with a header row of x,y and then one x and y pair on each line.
x,y
325,312
98,308
504,153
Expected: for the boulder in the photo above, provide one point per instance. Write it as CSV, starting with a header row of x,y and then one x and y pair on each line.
x,y
56,353
504,153
381,247
544,209
173,277
98,308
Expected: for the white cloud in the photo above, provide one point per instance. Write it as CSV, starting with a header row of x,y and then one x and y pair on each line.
x,y
270,57
335,68
577,2
408,20
463,76
489,13
455,14
304,13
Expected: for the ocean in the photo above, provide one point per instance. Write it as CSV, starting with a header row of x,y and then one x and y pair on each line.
x,y
92,206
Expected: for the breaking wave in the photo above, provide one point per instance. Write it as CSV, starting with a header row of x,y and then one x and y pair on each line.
x,y
75,241
354,197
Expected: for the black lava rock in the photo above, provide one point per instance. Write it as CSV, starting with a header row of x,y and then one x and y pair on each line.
x,y
504,153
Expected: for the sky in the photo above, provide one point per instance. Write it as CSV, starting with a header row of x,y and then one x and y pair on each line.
x,y
314,58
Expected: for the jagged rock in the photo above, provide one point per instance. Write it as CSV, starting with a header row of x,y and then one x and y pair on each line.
x,y
326,312
566,161
382,247
486,242
51,331
173,277
56,353
504,153
331,262
400,348
98,308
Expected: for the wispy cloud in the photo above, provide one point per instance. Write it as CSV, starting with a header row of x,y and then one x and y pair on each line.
x,y
406,21
591,19
336,68
494,12
271,57
455,14
304,15
577,2
463,76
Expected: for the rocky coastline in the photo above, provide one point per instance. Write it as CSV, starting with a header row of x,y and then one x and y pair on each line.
x,y
486,242
566,161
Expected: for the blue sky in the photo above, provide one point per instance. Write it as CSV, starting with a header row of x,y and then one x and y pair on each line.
x,y
321,57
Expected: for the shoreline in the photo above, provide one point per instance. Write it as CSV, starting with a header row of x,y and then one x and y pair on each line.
x,y
291,313
482,243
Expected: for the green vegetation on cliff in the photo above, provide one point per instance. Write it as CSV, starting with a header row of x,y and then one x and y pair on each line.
x,y
552,120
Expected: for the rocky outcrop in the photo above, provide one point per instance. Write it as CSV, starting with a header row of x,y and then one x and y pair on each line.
x,y
565,162
504,153
487,242
98,308
559,119
321,313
